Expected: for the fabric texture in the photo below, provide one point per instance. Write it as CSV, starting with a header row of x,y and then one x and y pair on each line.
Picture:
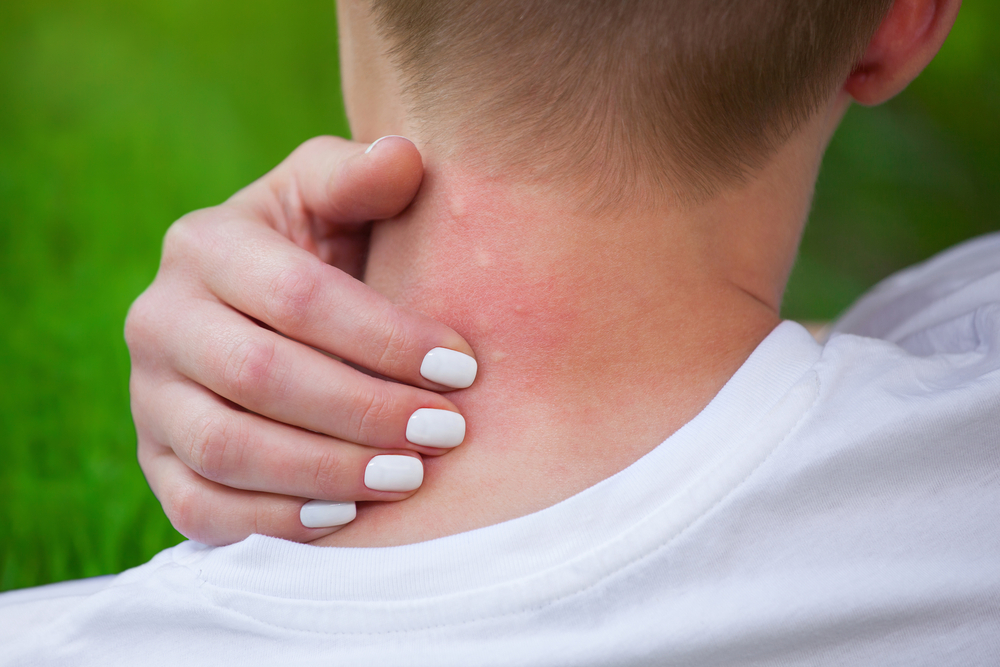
x,y
834,504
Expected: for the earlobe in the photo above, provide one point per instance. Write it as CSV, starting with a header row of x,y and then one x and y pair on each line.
x,y
907,40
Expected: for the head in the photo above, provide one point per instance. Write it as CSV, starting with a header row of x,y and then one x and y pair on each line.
x,y
633,99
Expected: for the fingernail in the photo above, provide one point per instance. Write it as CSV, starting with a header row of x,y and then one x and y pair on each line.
x,y
326,514
450,368
394,472
436,428
375,143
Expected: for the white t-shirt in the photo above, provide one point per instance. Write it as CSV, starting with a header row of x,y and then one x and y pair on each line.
x,y
833,505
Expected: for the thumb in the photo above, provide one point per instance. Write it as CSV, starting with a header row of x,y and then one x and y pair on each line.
x,y
340,184
343,182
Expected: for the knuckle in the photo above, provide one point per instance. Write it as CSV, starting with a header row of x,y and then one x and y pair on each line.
x,y
373,410
260,520
193,235
329,473
144,329
270,519
291,298
182,235
395,345
143,452
177,238
137,328
250,366
216,445
184,506
146,449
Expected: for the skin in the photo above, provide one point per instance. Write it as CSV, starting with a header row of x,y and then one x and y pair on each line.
x,y
598,336
239,425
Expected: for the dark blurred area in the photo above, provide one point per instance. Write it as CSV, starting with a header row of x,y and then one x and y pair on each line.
x,y
118,117
905,180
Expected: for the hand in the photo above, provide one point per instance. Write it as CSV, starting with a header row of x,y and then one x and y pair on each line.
x,y
240,416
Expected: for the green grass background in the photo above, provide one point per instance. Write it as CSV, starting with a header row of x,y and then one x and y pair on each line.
x,y
117,117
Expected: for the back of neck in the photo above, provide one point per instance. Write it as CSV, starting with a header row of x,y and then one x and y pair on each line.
x,y
597,335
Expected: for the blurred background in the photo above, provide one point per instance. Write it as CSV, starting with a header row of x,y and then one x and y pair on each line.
x,y
117,117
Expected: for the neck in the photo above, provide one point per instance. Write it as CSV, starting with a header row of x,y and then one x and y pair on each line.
x,y
597,335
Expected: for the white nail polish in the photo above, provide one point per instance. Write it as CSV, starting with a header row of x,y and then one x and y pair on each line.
x,y
450,368
436,428
326,514
369,149
394,472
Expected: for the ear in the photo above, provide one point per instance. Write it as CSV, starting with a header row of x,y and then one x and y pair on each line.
x,y
906,41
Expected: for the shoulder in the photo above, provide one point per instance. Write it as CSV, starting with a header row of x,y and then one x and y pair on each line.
x,y
906,429
945,304
35,622
884,495
918,357
21,611
926,339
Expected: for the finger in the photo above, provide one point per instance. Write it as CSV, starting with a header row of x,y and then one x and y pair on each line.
x,y
325,194
341,181
260,273
215,514
246,451
291,383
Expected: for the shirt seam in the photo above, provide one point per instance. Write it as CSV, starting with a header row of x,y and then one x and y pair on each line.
x,y
548,603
